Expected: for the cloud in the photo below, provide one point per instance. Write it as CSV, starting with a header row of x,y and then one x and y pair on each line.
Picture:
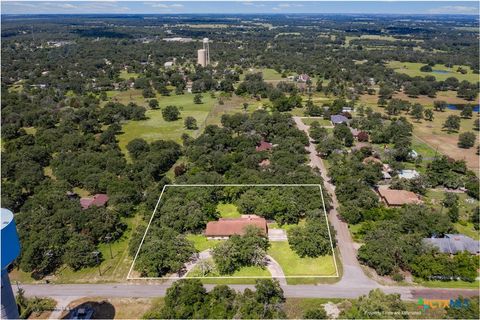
x,y
287,6
66,6
167,6
454,10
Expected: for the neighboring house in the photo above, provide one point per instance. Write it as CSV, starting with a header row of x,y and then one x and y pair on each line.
x,y
408,174
372,159
303,78
189,86
98,200
264,163
168,64
227,227
397,198
338,119
385,167
264,146
413,154
454,243
355,132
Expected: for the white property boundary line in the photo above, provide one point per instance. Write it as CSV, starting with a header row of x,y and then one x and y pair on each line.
x,y
234,277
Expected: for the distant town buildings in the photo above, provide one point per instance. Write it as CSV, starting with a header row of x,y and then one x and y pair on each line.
x,y
177,39
203,55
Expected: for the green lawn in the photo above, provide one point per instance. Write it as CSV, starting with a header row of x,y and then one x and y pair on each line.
x,y
286,227
467,230
449,284
156,128
201,242
125,75
268,74
435,198
228,210
422,148
321,121
293,265
413,69
250,273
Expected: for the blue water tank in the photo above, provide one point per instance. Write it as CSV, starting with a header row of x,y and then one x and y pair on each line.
x,y
10,242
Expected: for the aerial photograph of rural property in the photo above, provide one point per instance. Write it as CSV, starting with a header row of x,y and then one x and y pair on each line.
x,y
240,159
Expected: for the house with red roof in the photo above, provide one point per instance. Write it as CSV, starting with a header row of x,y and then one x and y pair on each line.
x,y
98,200
224,228
264,146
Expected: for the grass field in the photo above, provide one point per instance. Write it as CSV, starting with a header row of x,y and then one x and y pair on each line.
x,y
268,74
201,242
125,75
156,128
323,122
293,265
467,229
449,284
413,70
432,135
228,210
296,307
250,272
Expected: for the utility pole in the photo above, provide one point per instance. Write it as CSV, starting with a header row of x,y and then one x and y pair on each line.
x,y
108,238
97,254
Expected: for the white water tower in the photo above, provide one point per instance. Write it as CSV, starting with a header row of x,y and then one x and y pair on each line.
x,y
10,251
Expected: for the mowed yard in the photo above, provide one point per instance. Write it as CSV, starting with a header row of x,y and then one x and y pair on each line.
x,y
432,134
412,69
292,264
156,128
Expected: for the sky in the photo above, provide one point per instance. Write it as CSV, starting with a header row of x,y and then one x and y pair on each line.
x,y
239,7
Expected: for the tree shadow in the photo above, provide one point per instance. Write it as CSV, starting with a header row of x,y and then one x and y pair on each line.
x,y
92,310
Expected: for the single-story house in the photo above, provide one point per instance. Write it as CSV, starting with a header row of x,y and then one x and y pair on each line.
x,y
98,200
264,146
355,132
371,159
454,243
227,227
264,163
395,198
338,119
303,78
408,174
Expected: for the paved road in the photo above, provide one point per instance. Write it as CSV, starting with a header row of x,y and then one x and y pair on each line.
x,y
353,275
68,292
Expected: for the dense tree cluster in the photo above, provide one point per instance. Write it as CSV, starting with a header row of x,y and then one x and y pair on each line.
x,y
188,299
241,251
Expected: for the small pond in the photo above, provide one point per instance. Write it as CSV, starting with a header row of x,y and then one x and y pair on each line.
x,y
441,71
460,107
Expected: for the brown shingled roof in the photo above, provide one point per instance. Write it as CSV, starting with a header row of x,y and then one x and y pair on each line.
x,y
398,197
264,146
226,227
